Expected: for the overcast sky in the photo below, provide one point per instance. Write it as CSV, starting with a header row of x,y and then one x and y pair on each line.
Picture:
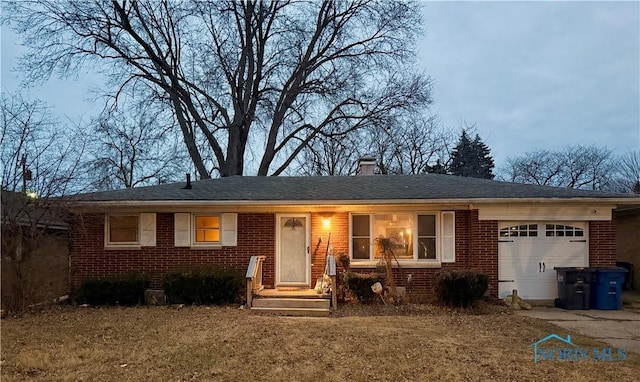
x,y
529,75
537,75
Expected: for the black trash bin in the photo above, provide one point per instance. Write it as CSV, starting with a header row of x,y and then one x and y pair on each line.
x,y
574,287
628,277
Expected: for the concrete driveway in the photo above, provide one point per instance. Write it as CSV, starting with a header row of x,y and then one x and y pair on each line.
x,y
619,328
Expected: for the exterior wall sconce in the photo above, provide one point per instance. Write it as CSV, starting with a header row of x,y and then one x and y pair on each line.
x,y
326,223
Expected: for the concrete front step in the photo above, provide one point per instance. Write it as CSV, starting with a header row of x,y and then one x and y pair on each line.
x,y
290,293
292,306
308,312
311,303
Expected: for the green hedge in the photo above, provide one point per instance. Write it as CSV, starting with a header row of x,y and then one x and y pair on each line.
x,y
460,288
205,286
125,289
360,284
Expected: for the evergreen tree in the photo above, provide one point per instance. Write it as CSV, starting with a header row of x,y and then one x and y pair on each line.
x,y
485,160
471,158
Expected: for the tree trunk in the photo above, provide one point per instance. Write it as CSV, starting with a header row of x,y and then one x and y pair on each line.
x,y
234,164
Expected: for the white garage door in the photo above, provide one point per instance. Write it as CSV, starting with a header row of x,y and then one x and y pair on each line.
x,y
528,252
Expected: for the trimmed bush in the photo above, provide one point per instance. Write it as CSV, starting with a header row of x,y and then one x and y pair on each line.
x,y
460,288
125,289
360,284
204,286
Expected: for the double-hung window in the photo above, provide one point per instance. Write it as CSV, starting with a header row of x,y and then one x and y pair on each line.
x,y
123,229
427,237
206,229
420,237
130,230
361,237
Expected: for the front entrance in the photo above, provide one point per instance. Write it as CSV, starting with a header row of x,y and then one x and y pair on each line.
x,y
293,259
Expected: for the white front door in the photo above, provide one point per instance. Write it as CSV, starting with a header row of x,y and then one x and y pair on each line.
x,y
529,251
293,260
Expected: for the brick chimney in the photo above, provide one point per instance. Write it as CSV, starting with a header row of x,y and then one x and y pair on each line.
x,y
366,165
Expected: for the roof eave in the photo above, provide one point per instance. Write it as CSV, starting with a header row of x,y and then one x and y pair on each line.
x,y
455,201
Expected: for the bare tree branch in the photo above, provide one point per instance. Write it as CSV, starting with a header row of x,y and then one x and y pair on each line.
x,y
583,167
238,75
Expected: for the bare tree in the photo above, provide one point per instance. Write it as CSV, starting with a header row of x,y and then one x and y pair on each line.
x,y
135,150
39,155
330,155
420,141
274,74
629,172
40,162
583,167
405,145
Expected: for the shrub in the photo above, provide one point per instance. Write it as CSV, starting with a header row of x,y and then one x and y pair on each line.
x,y
125,289
204,286
360,284
460,288
343,261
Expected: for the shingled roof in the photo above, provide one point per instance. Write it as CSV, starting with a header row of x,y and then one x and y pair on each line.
x,y
346,188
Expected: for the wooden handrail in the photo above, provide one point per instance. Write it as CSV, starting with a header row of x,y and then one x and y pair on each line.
x,y
254,277
331,270
331,265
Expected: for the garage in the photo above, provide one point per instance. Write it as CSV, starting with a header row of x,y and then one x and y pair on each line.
x,y
528,252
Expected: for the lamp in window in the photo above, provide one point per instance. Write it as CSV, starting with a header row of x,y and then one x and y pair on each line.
x,y
293,223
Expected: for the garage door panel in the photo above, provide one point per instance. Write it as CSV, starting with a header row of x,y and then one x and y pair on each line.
x,y
515,257
526,260
532,288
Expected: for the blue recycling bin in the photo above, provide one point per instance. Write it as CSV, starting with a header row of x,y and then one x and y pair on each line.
x,y
606,291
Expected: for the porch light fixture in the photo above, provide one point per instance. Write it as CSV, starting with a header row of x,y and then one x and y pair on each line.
x,y
293,223
326,223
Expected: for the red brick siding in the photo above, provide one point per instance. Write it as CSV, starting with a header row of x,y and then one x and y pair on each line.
x,y
422,278
476,248
89,258
463,239
484,249
339,229
602,243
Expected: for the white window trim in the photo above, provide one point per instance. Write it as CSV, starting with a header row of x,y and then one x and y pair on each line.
x,y
541,231
371,241
184,230
412,263
447,257
207,244
148,229
438,239
146,232
121,244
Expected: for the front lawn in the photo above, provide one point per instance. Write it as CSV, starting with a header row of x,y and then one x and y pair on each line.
x,y
228,344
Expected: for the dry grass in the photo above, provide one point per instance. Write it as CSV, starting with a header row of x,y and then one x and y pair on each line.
x,y
411,343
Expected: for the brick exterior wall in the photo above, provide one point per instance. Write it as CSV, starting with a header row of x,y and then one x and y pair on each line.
x,y
422,278
484,249
602,243
339,229
89,258
476,248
